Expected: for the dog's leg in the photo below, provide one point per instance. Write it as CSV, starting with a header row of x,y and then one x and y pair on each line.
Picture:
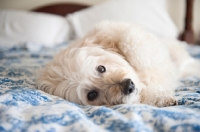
x,y
156,71
151,60
160,97
187,65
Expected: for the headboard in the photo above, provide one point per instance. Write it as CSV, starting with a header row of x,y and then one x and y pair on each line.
x,y
60,8
65,8
188,33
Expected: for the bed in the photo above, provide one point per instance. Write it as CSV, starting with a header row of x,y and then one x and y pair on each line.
x,y
24,108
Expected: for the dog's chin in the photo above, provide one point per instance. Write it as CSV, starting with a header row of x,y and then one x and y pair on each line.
x,y
133,98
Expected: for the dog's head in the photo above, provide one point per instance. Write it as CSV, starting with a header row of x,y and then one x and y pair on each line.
x,y
91,75
93,70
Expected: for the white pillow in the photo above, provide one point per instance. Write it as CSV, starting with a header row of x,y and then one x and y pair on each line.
x,y
23,26
151,14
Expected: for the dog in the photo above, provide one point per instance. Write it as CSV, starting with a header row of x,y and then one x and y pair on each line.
x,y
118,63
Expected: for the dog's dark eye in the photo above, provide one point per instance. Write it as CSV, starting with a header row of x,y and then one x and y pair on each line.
x,y
92,95
101,69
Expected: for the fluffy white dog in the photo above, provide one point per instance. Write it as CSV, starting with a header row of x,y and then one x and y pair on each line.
x,y
117,63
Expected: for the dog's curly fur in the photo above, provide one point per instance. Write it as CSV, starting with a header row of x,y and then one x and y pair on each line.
x,y
126,51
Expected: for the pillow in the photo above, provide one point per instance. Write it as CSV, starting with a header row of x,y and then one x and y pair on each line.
x,y
150,14
23,26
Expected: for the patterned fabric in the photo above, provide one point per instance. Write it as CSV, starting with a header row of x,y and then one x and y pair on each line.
x,y
24,108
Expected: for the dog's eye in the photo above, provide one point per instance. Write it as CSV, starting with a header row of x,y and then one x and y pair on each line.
x,y
101,69
92,95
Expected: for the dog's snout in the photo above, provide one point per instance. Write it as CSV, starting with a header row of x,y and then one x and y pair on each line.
x,y
128,86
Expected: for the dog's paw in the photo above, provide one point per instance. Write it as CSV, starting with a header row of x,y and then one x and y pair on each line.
x,y
170,102
166,101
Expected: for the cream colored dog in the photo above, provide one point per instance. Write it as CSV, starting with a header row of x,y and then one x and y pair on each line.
x,y
118,63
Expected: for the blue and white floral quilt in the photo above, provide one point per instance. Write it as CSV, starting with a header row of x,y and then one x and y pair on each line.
x,y
24,108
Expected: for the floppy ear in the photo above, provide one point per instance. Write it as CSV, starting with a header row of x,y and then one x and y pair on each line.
x,y
100,38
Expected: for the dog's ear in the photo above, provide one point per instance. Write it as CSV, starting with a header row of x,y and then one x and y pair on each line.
x,y
103,39
140,48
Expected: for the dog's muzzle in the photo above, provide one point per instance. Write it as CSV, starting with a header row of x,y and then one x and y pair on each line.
x,y
128,86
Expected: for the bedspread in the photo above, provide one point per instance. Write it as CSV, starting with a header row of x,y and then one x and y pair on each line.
x,y
24,108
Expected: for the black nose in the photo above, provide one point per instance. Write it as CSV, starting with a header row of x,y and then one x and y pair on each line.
x,y
128,86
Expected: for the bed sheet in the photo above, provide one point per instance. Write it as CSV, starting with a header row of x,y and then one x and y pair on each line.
x,y
24,108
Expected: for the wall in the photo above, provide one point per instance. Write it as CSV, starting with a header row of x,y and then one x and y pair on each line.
x,y
176,9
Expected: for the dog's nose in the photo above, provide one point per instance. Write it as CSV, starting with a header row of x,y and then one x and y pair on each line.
x,y
128,86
